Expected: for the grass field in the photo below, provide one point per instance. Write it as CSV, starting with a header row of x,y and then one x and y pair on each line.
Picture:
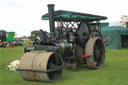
x,y
115,71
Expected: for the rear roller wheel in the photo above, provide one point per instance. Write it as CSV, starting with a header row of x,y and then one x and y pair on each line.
x,y
41,66
95,48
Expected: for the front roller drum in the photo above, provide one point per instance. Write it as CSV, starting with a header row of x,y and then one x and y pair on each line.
x,y
96,49
41,66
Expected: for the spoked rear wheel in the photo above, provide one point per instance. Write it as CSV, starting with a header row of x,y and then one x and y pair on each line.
x,y
95,48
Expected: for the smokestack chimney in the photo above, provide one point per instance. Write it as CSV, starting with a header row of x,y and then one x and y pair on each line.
x,y
51,17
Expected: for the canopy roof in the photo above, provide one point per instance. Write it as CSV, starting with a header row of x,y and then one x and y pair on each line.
x,y
74,16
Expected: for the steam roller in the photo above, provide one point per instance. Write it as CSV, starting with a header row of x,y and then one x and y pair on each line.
x,y
74,42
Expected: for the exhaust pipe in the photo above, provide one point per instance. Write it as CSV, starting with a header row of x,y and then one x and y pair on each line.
x,y
51,17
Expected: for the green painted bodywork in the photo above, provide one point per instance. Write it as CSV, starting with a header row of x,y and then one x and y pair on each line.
x,y
33,37
34,34
10,36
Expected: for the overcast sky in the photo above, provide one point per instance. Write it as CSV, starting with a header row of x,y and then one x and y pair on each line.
x,y
23,16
